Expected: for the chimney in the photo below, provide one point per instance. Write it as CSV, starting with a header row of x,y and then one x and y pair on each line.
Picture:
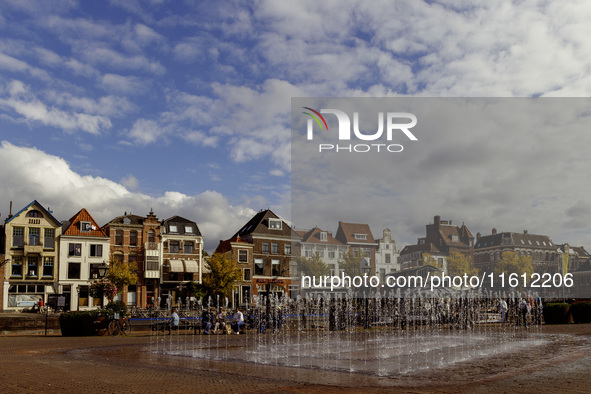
x,y
494,231
525,231
477,236
436,221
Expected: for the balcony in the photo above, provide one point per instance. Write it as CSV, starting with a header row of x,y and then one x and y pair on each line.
x,y
33,249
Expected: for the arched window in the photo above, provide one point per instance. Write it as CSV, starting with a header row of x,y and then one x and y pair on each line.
x,y
133,237
34,214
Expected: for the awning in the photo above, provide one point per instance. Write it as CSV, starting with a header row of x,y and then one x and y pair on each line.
x,y
176,266
191,266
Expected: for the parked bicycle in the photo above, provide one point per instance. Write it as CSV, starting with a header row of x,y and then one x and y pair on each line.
x,y
117,325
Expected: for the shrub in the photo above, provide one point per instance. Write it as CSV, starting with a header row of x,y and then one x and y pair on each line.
x,y
79,323
556,313
117,306
581,312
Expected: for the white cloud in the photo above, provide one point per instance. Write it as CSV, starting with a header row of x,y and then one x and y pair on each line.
x,y
123,84
145,131
29,107
130,182
26,170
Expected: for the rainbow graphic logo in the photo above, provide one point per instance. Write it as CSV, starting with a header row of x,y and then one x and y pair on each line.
x,y
316,117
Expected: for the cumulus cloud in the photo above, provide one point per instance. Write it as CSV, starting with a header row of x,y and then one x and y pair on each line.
x,y
26,170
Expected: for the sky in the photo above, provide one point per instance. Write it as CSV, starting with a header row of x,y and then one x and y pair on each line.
x,y
183,107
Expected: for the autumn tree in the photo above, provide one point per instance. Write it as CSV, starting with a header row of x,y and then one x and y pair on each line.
x,y
351,263
122,274
432,261
459,264
512,263
222,276
312,266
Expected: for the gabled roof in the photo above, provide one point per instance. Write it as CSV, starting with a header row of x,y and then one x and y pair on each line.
x,y
448,231
259,225
45,212
134,219
84,216
346,233
313,236
426,247
520,240
226,246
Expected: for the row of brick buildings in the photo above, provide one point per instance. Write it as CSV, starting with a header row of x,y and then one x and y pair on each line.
x,y
42,255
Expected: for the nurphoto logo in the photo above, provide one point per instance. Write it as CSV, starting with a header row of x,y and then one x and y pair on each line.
x,y
393,126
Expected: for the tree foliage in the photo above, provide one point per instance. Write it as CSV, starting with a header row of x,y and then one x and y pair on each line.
x,y
459,264
432,261
312,266
222,276
512,263
122,273
351,264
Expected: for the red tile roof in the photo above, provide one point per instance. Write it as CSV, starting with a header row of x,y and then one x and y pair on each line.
x,y
84,216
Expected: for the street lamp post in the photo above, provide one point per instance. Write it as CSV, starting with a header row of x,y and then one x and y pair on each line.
x,y
102,272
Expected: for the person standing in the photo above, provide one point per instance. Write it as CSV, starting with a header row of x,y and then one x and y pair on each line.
x,y
206,321
503,310
174,321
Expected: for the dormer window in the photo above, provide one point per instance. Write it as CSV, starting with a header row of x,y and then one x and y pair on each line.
x,y
173,228
360,236
85,227
188,229
454,238
275,224
323,236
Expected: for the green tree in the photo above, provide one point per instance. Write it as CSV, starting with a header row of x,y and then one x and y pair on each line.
x,y
459,264
512,263
312,266
351,264
222,276
122,274
432,261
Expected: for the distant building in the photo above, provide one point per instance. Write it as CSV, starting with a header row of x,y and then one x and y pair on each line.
x,y
32,250
441,239
489,249
386,255
360,240
83,247
321,242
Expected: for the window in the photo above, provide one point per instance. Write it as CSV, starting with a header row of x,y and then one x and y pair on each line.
x,y
243,256
118,257
85,227
258,267
32,267
119,237
73,270
152,263
246,294
96,250
48,266
454,238
174,246
323,236
366,252
265,247
34,236
151,236
173,228
331,267
34,214
188,229
132,258
133,237
331,253
188,247
388,258
17,266
74,249
287,248
49,234
308,251
18,234
274,247
274,224
275,267
360,236
246,274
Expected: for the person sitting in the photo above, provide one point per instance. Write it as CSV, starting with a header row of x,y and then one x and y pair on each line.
x,y
174,321
237,321
206,321
220,322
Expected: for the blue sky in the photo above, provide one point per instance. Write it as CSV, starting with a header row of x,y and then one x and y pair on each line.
x,y
184,106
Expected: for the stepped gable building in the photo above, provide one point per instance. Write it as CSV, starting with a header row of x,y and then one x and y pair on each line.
x,y
358,238
386,255
489,249
31,257
441,239
577,256
83,247
271,240
324,244
129,236
182,259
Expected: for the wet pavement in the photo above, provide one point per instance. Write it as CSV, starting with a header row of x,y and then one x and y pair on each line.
x,y
36,363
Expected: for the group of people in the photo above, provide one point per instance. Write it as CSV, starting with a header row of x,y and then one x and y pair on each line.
x,y
208,319
523,307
